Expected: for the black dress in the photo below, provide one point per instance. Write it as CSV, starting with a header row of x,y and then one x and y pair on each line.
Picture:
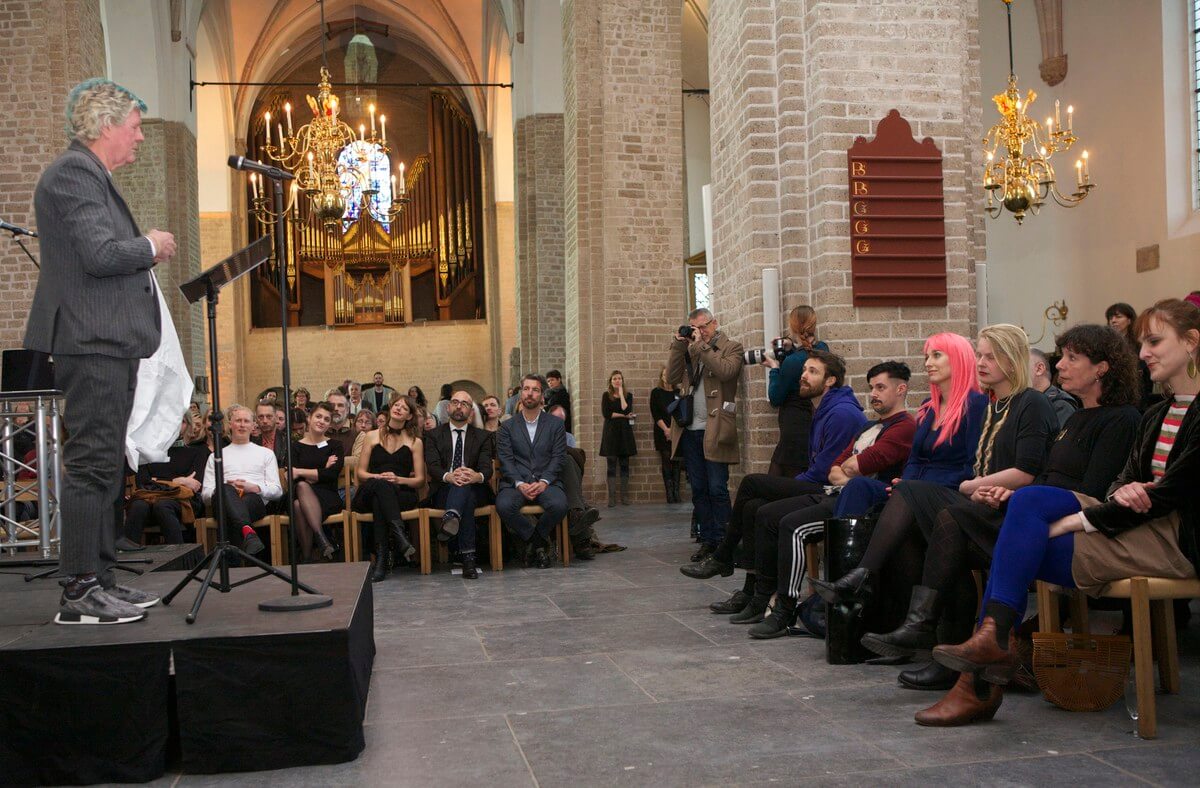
x,y
399,462
660,398
617,440
315,457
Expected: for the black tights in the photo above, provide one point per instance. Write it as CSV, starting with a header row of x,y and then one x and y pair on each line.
x,y
614,462
896,525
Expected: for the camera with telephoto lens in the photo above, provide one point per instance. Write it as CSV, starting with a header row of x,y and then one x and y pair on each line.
x,y
781,348
686,331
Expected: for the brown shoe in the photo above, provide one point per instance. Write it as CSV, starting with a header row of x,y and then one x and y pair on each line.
x,y
981,653
962,705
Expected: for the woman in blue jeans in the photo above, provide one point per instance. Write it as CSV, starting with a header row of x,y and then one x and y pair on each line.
x,y
1148,526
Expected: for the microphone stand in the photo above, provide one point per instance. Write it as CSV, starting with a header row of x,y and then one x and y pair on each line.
x,y
294,601
25,249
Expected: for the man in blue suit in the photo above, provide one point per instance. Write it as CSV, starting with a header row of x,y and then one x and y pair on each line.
x,y
531,446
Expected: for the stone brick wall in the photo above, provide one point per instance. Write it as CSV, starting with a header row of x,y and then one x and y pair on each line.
x,y
321,358
46,47
216,243
540,272
623,209
793,83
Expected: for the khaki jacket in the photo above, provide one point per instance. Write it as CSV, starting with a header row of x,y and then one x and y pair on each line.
x,y
722,360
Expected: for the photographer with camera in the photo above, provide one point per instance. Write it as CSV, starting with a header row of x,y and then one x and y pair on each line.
x,y
786,365
705,365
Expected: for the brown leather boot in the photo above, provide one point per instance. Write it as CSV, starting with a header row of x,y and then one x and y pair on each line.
x,y
981,653
962,705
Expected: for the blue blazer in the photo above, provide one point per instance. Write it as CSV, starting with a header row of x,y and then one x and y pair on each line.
x,y
522,461
954,461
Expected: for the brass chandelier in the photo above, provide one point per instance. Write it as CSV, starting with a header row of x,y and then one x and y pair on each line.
x,y
331,162
1020,182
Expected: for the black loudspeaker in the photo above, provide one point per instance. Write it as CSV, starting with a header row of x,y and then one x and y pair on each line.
x,y
26,370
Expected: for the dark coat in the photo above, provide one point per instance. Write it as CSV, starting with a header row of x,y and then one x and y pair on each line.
x,y
478,450
522,461
94,294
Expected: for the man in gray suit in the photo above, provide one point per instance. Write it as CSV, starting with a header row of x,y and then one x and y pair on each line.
x,y
531,446
96,311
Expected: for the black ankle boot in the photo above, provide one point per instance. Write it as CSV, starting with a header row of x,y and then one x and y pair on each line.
x,y
404,547
917,633
380,570
855,586
931,676
776,623
751,613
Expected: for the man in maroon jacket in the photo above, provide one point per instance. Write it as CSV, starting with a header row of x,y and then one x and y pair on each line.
x,y
880,449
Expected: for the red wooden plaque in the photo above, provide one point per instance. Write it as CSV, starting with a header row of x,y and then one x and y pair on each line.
x,y
897,219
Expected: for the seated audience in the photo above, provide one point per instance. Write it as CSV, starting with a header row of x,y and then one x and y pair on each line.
x,y
580,515
1039,380
381,418
281,420
391,472
557,394
356,403
790,458
418,397
269,435
251,480
458,460
301,406
364,422
1018,428
1120,318
837,418
441,410
316,481
1086,456
339,426
531,447
378,396
493,412
162,492
1146,527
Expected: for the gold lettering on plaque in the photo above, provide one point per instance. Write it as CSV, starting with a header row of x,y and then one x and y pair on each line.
x,y
860,208
862,247
859,168
859,188
862,227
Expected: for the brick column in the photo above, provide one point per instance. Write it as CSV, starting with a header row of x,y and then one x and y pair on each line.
x,y
793,84
623,210
46,46
541,310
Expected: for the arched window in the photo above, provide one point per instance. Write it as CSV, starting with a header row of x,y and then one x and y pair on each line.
x,y
376,174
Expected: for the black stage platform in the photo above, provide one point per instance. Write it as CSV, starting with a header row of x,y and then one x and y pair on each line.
x,y
239,690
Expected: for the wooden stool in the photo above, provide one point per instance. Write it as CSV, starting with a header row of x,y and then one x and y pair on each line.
x,y
495,545
562,536
412,516
1153,632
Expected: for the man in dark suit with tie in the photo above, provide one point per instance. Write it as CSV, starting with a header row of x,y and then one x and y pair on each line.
x,y
458,463
531,446
96,310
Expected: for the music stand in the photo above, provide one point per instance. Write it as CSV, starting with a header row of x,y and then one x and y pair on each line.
x,y
206,286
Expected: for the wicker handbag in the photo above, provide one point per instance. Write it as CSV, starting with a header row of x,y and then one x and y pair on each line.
x,y
1081,672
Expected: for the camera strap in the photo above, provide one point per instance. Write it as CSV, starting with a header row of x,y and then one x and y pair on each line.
x,y
693,376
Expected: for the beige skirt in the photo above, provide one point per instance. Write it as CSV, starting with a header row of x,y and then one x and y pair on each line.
x,y
1149,550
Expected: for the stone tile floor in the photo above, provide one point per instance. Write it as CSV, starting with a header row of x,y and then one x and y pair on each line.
x,y
614,672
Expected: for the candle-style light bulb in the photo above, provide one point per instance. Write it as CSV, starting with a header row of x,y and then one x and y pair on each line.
x,y
371,109
383,129
1087,177
1070,117
362,132
402,186
287,109
1079,172
1057,115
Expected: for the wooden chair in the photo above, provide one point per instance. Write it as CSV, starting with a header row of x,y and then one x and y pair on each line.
x,y
411,516
495,534
342,518
1153,632
206,534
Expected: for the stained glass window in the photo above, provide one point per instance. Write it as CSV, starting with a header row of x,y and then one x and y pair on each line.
x,y
700,287
378,172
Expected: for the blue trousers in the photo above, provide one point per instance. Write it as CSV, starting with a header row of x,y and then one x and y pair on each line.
x,y
1025,552
710,487
461,501
552,500
859,495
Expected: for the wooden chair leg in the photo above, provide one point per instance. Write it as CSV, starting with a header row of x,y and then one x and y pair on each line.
x,y
275,529
1143,658
1079,613
812,557
1166,650
1047,608
423,543
496,542
564,543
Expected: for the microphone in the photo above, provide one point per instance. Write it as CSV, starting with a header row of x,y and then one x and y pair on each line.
x,y
15,230
250,165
